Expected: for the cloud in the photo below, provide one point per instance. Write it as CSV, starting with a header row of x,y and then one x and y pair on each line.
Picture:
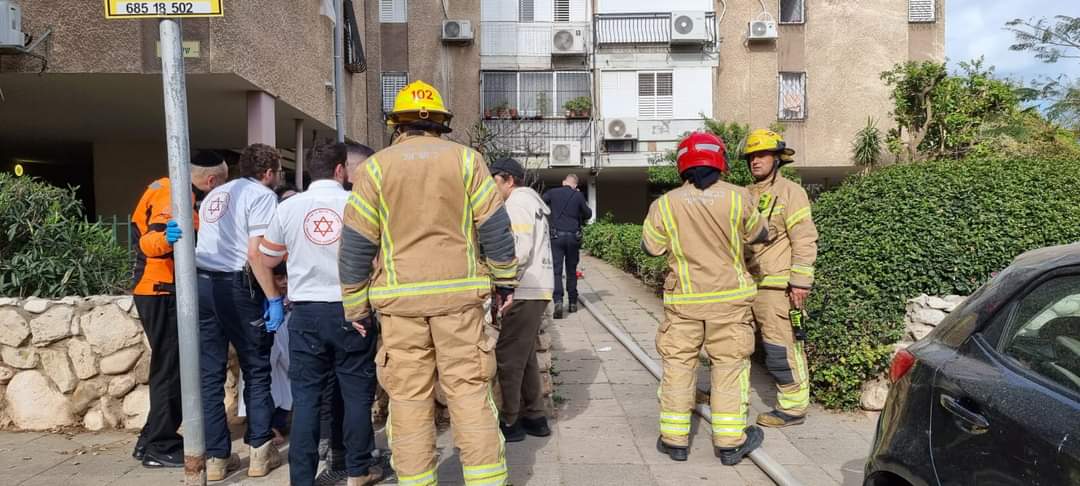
x,y
976,28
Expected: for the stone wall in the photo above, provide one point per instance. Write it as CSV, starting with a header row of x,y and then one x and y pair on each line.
x,y
923,314
72,362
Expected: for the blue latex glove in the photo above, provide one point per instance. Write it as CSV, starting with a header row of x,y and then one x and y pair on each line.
x,y
275,313
172,232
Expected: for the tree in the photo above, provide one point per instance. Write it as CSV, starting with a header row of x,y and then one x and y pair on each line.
x,y
1051,43
866,148
663,171
497,139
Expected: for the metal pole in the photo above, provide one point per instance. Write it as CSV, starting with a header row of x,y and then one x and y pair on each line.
x,y
187,297
300,154
339,68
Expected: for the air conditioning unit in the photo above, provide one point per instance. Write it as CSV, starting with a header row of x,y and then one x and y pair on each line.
x,y
568,40
565,154
762,30
457,31
688,28
621,129
11,34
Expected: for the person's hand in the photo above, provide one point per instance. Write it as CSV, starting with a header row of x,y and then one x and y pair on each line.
x,y
363,325
504,297
172,232
275,313
798,296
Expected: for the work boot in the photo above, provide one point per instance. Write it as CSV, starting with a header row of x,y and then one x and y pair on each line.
x,y
558,310
154,460
732,456
514,432
335,472
263,459
536,427
374,475
217,467
679,454
140,449
572,308
779,419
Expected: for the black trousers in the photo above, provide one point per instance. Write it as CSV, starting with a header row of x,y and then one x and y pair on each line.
x,y
323,343
158,315
565,247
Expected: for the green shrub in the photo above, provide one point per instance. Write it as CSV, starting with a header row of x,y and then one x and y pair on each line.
x,y
48,249
934,227
620,245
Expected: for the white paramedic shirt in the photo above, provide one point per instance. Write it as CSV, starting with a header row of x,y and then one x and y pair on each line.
x,y
308,228
230,215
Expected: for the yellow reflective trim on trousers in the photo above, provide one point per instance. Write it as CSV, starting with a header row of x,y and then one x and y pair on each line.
x,y
728,431
466,216
425,478
675,417
736,242
774,281
729,417
711,297
744,389
387,242
361,206
675,429
800,399
676,247
803,270
484,474
798,216
655,235
429,288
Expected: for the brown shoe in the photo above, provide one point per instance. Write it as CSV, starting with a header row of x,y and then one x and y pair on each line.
x,y
374,475
217,468
778,419
263,460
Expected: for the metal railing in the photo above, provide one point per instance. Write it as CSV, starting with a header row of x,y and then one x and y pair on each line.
x,y
120,227
642,28
534,137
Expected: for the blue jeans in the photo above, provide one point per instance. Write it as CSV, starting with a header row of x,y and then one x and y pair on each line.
x,y
231,311
322,343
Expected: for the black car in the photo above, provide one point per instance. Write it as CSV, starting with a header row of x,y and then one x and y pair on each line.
x,y
992,395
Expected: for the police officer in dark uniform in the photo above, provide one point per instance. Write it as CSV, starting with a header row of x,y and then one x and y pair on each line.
x,y
569,211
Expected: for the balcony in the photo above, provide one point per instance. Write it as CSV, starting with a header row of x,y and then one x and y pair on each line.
x,y
532,138
522,45
614,30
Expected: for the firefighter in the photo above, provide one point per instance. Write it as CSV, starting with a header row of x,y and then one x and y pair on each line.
x,y
159,444
428,209
784,269
702,227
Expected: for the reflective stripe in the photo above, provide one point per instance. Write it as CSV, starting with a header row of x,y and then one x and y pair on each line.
x,y
501,273
675,417
386,241
774,281
803,270
729,417
355,300
522,228
798,216
466,216
487,188
735,215
675,423
675,429
429,288
425,478
484,471
709,147
752,220
655,235
728,431
361,206
711,297
733,424
799,399
676,248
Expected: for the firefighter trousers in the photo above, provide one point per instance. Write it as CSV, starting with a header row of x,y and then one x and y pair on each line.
x,y
457,348
784,355
729,341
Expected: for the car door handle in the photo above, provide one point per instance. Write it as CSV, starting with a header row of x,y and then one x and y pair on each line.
x,y
972,422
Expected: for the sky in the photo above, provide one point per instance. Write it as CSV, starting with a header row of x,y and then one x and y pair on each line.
x,y
975,28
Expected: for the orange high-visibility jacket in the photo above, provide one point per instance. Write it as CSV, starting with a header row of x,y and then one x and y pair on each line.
x,y
153,255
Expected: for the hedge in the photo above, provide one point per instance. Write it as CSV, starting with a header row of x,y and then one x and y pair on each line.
x,y
48,249
934,227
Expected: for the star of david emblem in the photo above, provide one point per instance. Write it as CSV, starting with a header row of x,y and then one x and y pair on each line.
x,y
323,226
215,206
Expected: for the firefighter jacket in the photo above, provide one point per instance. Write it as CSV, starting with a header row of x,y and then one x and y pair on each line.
x,y
153,255
429,210
532,244
788,257
703,234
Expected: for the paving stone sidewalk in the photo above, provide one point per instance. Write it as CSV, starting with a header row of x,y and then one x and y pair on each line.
x,y
830,448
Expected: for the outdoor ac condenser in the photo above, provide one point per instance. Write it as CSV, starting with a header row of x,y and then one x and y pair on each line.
x,y
621,129
568,40
565,154
457,31
11,34
688,28
762,30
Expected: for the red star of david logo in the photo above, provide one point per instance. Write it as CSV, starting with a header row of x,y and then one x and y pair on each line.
x,y
215,206
323,226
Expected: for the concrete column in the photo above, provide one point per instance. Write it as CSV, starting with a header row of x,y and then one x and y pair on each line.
x,y
260,118
299,154
592,198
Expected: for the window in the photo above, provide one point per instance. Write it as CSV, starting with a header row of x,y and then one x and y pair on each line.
x,y
533,94
655,100
393,11
792,11
527,11
792,99
920,11
391,84
1044,332
562,10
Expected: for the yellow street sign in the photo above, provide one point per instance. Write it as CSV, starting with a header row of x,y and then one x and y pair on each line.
x,y
125,9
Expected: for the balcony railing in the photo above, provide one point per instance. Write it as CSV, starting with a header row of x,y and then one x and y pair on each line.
x,y
533,138
643,28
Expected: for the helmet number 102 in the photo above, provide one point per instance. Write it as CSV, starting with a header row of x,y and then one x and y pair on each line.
x,y
423,94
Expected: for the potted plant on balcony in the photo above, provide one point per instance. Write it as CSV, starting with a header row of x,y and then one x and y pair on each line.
x,y
579,107
542,105
501,110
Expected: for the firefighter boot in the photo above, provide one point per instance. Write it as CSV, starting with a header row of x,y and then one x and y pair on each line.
x,y
732,456
217,467
679,454
778,419
263,460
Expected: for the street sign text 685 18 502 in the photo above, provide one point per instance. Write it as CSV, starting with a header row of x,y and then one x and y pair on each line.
x,y
126,9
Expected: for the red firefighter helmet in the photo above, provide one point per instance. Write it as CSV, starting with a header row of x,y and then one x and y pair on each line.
x,y
702,149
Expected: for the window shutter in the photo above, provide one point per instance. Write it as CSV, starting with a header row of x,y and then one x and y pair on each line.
x,y
527,11
562,10
665,101
392,11
792,96
647,96
921,11
392,83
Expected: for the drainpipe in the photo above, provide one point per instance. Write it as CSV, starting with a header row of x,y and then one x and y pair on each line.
x,y
339,69
300,154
